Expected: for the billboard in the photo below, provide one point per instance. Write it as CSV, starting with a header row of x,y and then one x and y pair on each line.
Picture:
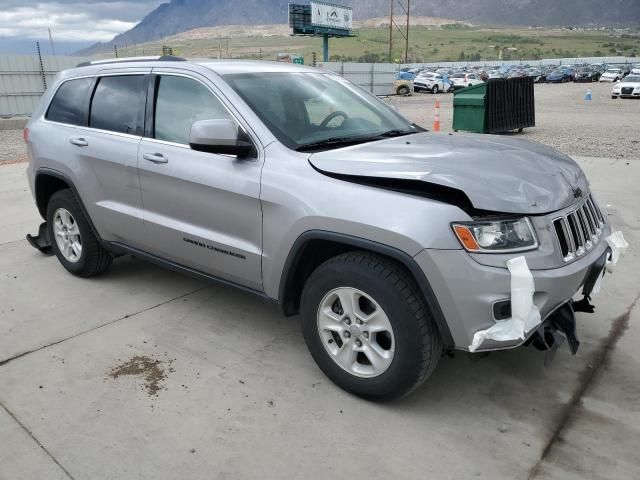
x,y
331,16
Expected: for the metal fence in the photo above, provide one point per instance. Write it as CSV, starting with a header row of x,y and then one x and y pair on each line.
x,y
24,78
379,78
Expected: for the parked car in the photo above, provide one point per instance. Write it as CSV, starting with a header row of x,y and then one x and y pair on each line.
x,y
295,185
612,75
587,74
431,82
463,80
559,76
628,87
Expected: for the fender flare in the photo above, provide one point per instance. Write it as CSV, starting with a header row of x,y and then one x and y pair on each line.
x,y
400,256
61,176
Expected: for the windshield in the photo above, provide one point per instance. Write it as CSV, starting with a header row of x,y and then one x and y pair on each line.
x,y
631,79
315,110
613,71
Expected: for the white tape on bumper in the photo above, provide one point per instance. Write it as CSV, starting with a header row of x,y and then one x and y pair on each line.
x,y
618,245
618,248
524,314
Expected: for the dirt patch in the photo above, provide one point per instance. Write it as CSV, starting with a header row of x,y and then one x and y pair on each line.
x,y
16,160
153,372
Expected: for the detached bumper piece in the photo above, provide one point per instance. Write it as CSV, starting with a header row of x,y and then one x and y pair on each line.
x,y
41,241
560,325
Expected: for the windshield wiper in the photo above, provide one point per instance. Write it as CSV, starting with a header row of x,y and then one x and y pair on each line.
x,y
333,142
395,133
336,142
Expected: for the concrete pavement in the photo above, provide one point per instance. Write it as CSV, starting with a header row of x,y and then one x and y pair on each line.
x,y
240,397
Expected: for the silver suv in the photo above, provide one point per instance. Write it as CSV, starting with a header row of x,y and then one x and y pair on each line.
x,y
395,245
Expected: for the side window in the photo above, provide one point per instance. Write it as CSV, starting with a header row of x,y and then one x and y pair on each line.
x,y
118,103
70,101
180,102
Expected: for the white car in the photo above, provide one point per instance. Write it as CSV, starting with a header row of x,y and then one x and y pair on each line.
x,y
612,75
628,87
635,70
464,80
431,82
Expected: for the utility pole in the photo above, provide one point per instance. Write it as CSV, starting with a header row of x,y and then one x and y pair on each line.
x,y
406,47
392,24
219,48
391,30
53,50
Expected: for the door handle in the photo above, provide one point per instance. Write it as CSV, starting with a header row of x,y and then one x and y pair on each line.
x,y
155,158
78,142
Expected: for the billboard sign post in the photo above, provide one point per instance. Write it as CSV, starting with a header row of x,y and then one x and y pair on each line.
x,y
321,19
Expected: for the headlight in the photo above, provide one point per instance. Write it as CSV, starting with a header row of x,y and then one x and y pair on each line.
x,y
497,236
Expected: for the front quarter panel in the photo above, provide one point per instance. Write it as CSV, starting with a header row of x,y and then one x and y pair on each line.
x,y
296,199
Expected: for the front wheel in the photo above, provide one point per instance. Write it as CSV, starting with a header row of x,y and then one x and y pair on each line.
x,y
435,89
368,327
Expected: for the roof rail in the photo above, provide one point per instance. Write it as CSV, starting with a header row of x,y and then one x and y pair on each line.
x,y
164,58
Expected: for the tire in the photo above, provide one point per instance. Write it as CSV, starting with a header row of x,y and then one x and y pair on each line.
x,y
92,259
412,344
403,90
614,97
435,89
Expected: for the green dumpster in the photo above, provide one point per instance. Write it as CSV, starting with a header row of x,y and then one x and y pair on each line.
x,y
469,108
497,106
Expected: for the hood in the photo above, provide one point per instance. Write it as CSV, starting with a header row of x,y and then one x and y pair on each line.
x,y
496,173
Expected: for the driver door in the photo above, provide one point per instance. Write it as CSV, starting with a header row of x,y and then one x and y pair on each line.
x,y
201,210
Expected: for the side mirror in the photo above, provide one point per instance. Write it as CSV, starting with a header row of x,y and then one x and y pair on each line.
x,y
219,136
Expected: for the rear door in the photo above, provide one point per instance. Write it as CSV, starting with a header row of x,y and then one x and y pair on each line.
x,y
201,210
95,126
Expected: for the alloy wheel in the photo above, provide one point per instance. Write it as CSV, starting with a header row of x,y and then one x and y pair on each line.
x,y
67,235
356,332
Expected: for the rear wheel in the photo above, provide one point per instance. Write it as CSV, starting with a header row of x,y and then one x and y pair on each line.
x,y
73,240
367,326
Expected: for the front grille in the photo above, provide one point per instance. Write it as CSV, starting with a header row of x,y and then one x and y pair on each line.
x,y
627,90
579,230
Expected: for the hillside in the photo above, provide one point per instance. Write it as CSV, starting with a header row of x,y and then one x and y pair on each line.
x,y
182,15
431,40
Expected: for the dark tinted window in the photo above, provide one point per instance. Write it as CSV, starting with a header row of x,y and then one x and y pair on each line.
x,y
180,103
70,101
118,103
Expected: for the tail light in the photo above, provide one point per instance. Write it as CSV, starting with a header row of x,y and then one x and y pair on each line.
x,y
25,135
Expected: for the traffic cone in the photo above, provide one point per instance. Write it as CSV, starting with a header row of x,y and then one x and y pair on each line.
x,y
587,96
436,118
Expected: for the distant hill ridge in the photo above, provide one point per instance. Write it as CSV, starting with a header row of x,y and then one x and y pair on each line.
x,y
179,16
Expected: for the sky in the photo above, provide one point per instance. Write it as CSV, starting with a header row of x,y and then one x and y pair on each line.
x,y
73,23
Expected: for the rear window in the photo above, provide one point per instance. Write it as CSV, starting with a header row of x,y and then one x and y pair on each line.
x,y
118,104
70,102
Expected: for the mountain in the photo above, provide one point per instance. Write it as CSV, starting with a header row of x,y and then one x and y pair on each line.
x,y
181,15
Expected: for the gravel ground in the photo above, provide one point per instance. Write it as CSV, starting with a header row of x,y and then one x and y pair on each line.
x,y
12,148
603,127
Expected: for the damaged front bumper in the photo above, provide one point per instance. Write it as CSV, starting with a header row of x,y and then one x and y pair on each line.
x,y
469,292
